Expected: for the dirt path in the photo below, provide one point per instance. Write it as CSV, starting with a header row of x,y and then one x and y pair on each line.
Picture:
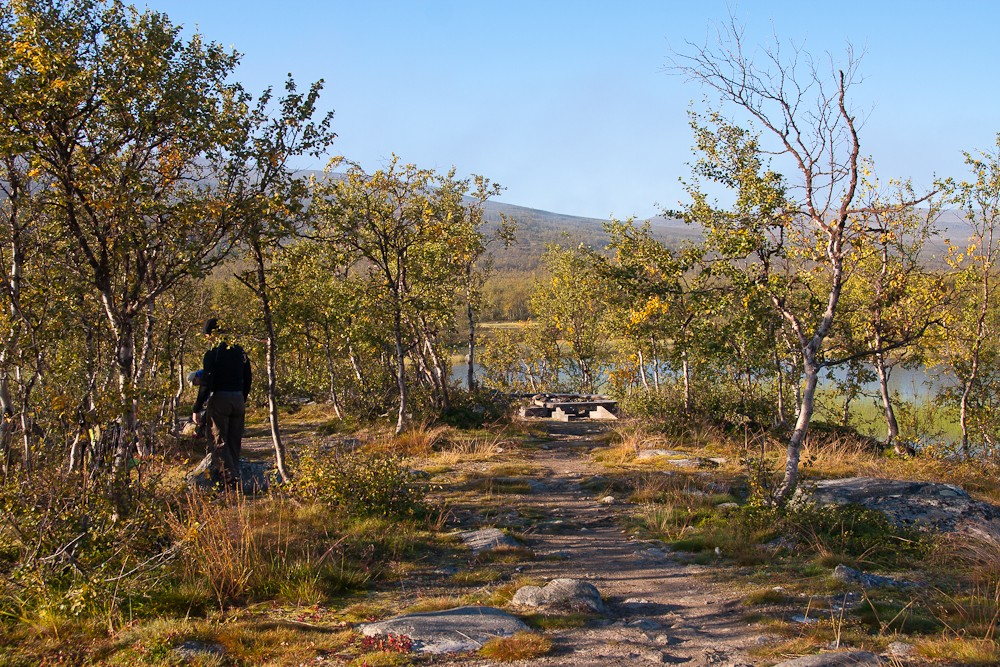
x,y
659,609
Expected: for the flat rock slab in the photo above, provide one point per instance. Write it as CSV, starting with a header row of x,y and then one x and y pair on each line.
x,y
846,659
561,595
942,507
451,631
487,539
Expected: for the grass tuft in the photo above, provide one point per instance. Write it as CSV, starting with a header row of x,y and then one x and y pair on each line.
x,y
522,646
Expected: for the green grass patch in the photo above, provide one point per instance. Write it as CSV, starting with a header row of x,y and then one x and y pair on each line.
x,y
556,621
887,616
522,646
765,596
479,576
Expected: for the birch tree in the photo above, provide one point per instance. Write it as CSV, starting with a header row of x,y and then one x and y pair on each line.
x,y
787,238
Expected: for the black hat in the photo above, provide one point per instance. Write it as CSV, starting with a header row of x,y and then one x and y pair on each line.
x,y
211,324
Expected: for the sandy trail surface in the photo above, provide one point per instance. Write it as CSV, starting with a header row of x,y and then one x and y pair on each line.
x,y
660,610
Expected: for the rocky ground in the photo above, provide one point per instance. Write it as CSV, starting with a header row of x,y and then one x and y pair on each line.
x,y
659,607
658,610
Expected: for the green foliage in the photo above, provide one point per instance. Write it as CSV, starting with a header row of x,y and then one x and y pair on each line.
x,y
848,534
69,548
855,535
471,410
361,483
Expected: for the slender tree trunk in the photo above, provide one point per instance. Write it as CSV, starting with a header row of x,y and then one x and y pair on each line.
x,y
963,416
642,370
686,370
125,440
175,399
780,380
470,375
331,373
400,371
6,414
530,376
656,362
892,426
354,364
441,378
146,352
271,359
794,450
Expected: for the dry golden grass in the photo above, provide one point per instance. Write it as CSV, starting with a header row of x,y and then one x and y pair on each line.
x,y
522,646
973,559
960,650
380,659
418,440
438,603
484,448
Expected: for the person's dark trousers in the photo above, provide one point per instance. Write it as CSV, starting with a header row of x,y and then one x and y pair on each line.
x,y
226,413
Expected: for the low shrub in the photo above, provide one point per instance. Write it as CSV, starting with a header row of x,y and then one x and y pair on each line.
x,y
848,534
361,483
72,548
477,408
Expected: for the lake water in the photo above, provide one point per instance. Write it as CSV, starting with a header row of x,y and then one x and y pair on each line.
x,y
910,384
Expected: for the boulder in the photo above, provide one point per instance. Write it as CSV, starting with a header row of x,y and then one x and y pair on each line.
x,y
925,505
845,659
451,631
561,595
253,476
487,539
848,575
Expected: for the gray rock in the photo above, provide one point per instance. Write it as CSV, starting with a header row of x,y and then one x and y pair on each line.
x,y
845,659
652,553
941,507
900,649
849,575
450,631
254,476
645,624
487,539
561,595
607,500
652,655
653,453
194,649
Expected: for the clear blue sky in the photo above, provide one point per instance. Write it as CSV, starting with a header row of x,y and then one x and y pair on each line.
x,y
567,104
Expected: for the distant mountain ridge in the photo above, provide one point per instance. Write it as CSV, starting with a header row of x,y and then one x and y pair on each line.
x,y
537,228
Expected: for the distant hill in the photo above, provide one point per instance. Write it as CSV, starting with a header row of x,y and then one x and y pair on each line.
x,y
537,228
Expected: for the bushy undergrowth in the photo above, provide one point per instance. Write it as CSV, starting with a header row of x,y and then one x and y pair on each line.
x,y
721,403
848,534
362,483
477,408
80,558
73,548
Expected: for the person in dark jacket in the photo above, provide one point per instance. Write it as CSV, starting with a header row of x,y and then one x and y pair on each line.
x,y
222,393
